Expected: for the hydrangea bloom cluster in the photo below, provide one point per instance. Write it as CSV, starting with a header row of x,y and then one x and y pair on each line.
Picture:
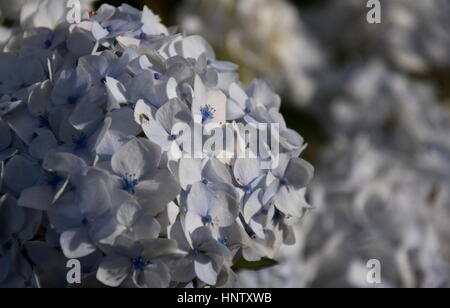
x,y
412,35
27,14
88,169
266,37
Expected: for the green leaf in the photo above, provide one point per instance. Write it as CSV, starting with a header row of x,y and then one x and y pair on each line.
x,y
254,266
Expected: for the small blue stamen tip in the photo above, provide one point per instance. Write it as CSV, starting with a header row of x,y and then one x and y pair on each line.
x,y
139,264
208,62
157,76
109,28
223,241
195,252
284,181
205,181
172,137
129,184
207,112
247,187
142,36
47,44
103,80
206,219
264,212
247,110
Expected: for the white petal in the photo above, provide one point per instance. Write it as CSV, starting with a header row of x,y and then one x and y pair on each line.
x,y
76,243
136,159
252,206
128,213
190,172
113,270
204,268
246,170
37,197
299,173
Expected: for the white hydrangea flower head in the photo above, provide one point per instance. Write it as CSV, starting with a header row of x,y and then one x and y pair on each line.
x,y
96,160
29,14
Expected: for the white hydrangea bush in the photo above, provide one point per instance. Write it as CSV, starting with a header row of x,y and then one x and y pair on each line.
x,y
93,168
380,190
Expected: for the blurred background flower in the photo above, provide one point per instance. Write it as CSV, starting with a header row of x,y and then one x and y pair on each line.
x,y
373,101
265,37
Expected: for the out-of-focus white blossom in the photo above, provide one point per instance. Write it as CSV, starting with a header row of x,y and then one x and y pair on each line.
x,y
413,34
265,37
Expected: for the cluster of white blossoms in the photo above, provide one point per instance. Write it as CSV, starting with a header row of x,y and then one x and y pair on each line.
x,y
380,191
88,164
266,37
412,35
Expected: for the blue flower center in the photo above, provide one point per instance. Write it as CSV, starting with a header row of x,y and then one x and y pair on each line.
x,y
195,252
139,264
264,212
206,219
142,36
205,181
208,62
85,221
157,76
223,241
109,28
129,183
103,80
247,110
284,181
207,112
247,187
173,137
